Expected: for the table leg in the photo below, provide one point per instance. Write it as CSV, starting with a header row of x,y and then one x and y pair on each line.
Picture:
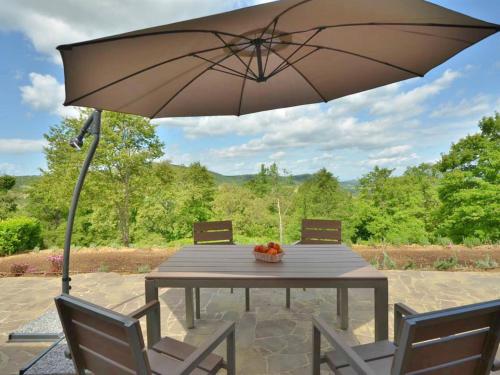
x,y
189,308
153,323
247,299
338,301
344,308
287,298
382,312
198,302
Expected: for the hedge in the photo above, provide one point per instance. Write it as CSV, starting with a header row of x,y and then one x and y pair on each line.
x,y
19,233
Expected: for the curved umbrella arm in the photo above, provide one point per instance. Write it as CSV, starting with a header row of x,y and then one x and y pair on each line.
x,y
92,126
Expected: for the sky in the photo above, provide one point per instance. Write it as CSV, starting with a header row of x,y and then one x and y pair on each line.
x,y
394,126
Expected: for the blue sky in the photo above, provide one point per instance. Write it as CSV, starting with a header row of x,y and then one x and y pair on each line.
x,y
394,126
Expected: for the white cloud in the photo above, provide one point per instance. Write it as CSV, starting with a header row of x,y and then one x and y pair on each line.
x,y
21,146
466,107
46,94
410,102
277,155
8,168
48,24
392,151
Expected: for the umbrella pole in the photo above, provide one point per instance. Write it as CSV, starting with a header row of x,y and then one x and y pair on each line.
x,y
91,126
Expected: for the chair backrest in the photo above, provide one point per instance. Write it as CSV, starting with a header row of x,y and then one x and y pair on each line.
x,y
321,232
101,340
461,341
213,233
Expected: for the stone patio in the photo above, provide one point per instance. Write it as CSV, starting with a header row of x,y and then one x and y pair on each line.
x,y
270,338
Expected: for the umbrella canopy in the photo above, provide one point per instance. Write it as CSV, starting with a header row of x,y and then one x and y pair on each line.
x,y
275,55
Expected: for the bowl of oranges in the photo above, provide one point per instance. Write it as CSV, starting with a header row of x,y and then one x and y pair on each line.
x,y
271,253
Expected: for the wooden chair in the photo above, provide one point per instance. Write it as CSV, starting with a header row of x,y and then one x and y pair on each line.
x,y
456,341
214,233
104,342
323,232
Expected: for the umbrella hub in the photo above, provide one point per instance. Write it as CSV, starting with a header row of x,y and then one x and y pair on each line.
x,y
254,49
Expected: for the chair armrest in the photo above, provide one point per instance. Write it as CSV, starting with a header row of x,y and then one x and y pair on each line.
x,y
195,358
296,243
143,310
354,360
496,365
400,310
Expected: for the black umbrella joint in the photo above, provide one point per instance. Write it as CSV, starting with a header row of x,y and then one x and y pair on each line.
x,y
93,127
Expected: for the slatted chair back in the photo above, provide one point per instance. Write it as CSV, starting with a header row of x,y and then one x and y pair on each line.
x,y
462,340
321,232
213,233
100,340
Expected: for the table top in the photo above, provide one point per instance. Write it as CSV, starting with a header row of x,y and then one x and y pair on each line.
x,y
300,262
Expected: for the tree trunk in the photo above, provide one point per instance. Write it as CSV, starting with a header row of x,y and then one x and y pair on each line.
x,y
281,222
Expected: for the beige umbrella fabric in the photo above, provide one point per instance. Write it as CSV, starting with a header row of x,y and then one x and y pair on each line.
x,y
274,55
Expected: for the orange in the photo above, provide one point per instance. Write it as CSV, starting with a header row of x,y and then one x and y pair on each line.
x,y
272,252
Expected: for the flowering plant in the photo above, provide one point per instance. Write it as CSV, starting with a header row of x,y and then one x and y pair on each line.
x,y
56,263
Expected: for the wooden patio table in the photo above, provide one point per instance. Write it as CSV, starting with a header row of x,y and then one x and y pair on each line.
x,y
234,266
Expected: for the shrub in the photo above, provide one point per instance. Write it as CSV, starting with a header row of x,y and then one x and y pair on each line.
x,y
144,268
18,269
446,264
20,233
443,241
410,265
56,263
472,241
103,267
486,263
387,262
375,263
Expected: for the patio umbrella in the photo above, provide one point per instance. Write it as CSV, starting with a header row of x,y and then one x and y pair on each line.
x,y
279,54
274,55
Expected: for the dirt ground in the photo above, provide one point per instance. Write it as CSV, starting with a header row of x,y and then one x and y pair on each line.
x,y
128,260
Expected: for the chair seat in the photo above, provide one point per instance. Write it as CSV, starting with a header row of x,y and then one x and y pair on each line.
x,y
368,352
173,352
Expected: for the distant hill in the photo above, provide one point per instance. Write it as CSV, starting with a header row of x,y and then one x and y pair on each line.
x,y
23,182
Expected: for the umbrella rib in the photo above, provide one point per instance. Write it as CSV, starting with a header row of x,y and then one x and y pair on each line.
x,y
293,63
278,16
297,50
191,81
270,45
145,70
237,56
232,74
236,72
166,32
300,73
244,83
495,27
359,55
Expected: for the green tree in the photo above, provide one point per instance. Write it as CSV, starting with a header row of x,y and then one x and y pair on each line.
x,y
321,197
470,190
395,209
8,203
279,188
107,208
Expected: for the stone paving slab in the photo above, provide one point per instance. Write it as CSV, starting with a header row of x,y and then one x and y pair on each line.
x,y
270,339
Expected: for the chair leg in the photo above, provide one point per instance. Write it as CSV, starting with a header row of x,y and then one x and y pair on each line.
x,y
247,299
198,303
287,298
231,354
232,290
316,351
